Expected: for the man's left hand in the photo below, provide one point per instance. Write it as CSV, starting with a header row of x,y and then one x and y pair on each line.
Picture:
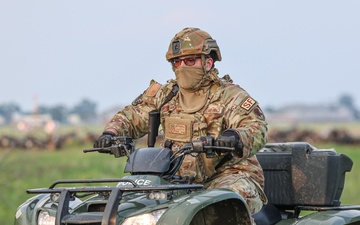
x,y
230,139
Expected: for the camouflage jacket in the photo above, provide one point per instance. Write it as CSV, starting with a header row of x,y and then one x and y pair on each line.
x,y
228,106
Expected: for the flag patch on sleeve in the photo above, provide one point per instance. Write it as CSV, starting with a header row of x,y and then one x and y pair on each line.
x,y
153,89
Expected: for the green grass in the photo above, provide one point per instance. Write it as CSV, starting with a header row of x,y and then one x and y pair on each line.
x,y
21,170
351,190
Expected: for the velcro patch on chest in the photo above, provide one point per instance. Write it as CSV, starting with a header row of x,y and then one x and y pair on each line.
x,y
178,129
248,103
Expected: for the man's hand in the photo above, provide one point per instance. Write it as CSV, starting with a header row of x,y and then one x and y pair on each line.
x,y
104,140
230,139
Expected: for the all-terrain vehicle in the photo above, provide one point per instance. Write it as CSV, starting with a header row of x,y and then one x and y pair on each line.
x,y
298,177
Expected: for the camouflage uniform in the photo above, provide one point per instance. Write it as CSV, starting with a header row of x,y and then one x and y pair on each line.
x,y
228,107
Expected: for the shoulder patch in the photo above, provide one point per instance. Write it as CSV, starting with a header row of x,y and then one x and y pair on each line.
x,y
259,113
247,103
138,100
153,89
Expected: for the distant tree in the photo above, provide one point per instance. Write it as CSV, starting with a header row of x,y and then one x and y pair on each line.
x,y
59,113
43,109
269,109
7,110
348,101
86,109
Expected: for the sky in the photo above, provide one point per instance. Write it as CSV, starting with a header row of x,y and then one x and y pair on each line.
x,y
280,51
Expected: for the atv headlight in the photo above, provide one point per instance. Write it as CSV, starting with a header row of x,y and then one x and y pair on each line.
x,y
145,219
44,218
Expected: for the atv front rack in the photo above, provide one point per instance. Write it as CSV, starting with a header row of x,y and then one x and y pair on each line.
x,y
109,215
98,189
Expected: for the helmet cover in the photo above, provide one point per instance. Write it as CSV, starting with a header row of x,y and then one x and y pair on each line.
x,y
193,41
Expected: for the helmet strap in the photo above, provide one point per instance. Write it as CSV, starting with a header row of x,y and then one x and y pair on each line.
x,y
203,62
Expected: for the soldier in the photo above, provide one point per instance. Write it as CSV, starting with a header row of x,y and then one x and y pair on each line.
x,y
205,105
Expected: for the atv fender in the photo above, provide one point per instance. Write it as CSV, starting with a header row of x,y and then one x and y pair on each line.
x,y
26,213
337,217
215,206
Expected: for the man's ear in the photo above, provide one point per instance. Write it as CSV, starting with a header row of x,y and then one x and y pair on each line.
x,y
209,63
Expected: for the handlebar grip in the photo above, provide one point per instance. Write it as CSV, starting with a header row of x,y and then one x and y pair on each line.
x,y
91,150
101,150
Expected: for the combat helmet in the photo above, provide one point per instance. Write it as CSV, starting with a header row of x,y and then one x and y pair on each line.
x,y
193,41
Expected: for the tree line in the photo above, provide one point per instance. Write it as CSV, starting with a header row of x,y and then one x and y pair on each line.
x,y
85,109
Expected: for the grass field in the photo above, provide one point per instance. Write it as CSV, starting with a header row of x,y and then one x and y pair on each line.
x,y
21,170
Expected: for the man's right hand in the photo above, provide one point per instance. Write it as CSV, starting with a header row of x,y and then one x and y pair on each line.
x,y
104,140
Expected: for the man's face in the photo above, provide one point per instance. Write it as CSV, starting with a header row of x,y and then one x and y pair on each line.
x,y
192,60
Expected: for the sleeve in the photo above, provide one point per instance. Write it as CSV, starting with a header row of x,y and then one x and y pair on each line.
x,y
132,120
245,117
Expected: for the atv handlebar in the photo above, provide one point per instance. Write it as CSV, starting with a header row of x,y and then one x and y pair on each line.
x,y
206,145
113,150
121,146
124,146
